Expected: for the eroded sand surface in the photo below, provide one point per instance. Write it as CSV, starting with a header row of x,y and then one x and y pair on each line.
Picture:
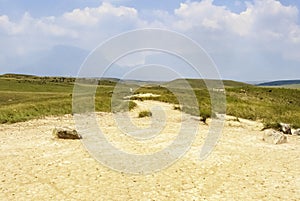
x,y
36,166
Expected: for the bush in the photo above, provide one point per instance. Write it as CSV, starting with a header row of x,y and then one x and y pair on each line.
x,y
145,113
132,105
205,116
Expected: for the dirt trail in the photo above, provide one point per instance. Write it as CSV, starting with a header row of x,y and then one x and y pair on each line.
x,y
35,166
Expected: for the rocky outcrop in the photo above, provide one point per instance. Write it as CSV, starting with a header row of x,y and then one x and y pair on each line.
x,y
286,128
66,133
274,137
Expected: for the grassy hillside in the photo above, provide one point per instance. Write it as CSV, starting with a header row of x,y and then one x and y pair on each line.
x,y
201,84
27,97
270,105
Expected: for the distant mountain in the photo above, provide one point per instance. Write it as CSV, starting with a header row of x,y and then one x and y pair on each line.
x,y
280,83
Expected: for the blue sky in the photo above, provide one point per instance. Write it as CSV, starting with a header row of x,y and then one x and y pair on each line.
x,y
248,40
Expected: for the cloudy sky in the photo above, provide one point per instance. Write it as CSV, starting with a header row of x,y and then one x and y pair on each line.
x,y
247,40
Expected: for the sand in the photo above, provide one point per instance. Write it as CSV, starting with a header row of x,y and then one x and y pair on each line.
x,y
36,166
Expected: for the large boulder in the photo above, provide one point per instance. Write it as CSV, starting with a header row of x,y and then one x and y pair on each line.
x,y
274,137
286,128
66,133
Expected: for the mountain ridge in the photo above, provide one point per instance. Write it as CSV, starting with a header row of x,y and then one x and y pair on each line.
x,y
279,83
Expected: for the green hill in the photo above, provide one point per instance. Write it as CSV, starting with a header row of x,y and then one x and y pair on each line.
x,y
26,97
201,84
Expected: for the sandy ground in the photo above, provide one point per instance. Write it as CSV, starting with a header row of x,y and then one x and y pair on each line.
x,y
36,166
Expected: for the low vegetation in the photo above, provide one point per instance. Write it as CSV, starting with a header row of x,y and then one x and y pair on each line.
x,y
28,97
145,113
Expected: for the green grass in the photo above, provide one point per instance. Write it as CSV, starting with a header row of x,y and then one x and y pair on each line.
x,y
269,105
28,97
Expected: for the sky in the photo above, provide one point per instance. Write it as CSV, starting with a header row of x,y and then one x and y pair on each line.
x,y
253,40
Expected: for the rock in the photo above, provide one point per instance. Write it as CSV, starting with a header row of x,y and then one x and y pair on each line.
x,y
285,128
296,132
66,133
274,137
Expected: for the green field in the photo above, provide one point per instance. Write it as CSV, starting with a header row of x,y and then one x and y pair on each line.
x,y
28,97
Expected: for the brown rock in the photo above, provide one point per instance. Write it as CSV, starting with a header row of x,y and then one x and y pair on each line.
x,y
66,133
274,137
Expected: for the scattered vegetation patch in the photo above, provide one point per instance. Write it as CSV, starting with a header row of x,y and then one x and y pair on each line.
x,y
145,113
131,105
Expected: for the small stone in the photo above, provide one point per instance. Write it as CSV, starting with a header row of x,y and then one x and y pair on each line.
x,y
66,133
296,132
274,137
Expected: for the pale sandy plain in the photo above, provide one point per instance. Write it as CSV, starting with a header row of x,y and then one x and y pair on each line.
x,y
37,166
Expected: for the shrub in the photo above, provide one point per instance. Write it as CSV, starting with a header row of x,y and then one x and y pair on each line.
x,y
132,105
145,113
204,117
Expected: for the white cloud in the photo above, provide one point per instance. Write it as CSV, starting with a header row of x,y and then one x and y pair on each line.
x,y
265,27
92,16
84,28
266,23
9,27
262,16
71,24
31,26
294,34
